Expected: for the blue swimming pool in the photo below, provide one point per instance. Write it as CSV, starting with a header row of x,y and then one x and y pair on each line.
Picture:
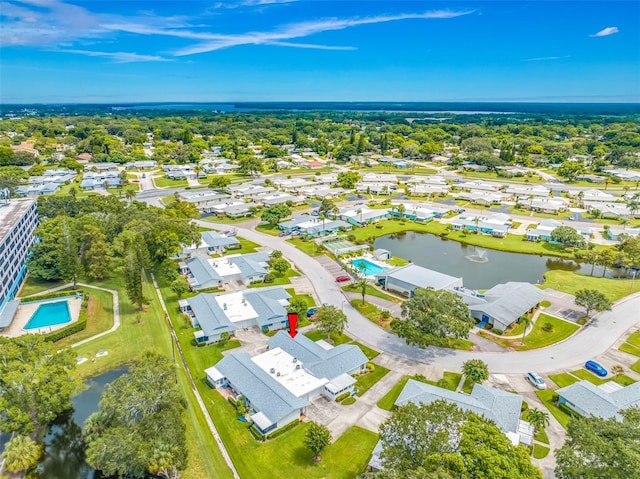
x,y
49,314
367,268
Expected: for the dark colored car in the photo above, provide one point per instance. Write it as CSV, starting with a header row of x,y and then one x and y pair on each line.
x,y
343,278
595,368
311,311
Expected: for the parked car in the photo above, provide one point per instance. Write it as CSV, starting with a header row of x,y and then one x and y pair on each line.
x,y
312,311
343,278
315,212
536,380
595,368
295,233
284,233
459,210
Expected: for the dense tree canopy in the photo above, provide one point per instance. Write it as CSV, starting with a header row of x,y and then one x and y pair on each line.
x,y
430,316
139,427
597,448
440,440
36,383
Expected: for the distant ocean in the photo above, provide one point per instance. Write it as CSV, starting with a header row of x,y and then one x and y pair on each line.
x,y
438,108
399,107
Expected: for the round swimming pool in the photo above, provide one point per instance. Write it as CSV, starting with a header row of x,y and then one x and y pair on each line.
x,y
49,314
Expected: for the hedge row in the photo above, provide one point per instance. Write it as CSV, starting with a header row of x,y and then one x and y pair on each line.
x,y
343,396
56,294
284,429
67,331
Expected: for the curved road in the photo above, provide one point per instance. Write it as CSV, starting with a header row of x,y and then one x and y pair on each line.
x,y
588,343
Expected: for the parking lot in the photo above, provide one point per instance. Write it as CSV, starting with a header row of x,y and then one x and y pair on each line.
x,y
563,305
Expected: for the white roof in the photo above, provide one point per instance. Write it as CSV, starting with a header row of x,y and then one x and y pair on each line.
x,y
261,420
213,373
341,382
288,371
223,266
235,307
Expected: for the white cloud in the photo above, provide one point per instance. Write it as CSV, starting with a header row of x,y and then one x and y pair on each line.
x,y
119,57
540,59
301,30
312,46
605,32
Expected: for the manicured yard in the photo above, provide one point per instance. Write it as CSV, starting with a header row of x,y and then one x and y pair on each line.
x,y
371,291
540,451
372,313
266,228
546,398
467,387
368,352
634,339
570,282
636,366
539,338
623,379
285,456
308,247
277,280
99,317
589,376
541,436
246,247
364,382
387,401
449,381
164,182
563,379
630,348
317,335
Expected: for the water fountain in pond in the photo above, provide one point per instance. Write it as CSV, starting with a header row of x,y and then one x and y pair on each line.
x,y
479,257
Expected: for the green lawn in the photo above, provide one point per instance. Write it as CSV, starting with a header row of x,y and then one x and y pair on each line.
x,y
636,366
364,382
317,335
99,317
368,352
563,379
308,247
372,313
387,401
541,436
226,219
277,280
623,379
307,298
371,291
570,282
164,182
285,456
246,246
546,398
629,348
467,387
539,338
272,230
450,380
634,339
540,451
589,376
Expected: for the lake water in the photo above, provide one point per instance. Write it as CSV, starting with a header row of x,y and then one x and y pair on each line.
x,y
480,268
64,446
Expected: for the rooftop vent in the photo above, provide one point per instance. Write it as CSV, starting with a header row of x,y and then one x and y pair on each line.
x,y
278,374
224,306
297,366
295,360
272,370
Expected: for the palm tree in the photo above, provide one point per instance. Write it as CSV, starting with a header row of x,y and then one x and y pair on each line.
x,y
197,170
401,210
538,419
580,199
20,453
359,211
130,194
633,205
476,220
527,322
362,285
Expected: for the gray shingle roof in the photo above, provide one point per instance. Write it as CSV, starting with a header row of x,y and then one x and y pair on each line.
x,y
322,363
596,402
420,277
267,304
265,393
499,406
507,302
210,316
204,273
211,238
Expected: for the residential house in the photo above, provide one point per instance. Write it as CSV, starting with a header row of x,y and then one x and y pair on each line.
x,y
544,229
312,226
421,212
328,179
233,209
216,314
376,188
204,200
592,195
484,198
503,304
249,190
604,401
405,279
278,198
142,165
279,384
217,243
205,272
320,191
478,185
545,205
495,225
108,166
518,191
608,210
292,184
47,183
619,234
361,215
91,180
501,407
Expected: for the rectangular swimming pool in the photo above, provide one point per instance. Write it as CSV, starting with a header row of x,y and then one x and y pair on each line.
x,y
367,268
49,314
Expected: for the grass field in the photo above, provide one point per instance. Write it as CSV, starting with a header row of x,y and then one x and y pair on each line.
x,y
272,230
307,247
317,335
99,316
623,379
563,379
634,339
164,182
569,282
636,366
538,337
540,451
372,313
546,398
371,291
246,246
588,376
368,352
364,382
629,348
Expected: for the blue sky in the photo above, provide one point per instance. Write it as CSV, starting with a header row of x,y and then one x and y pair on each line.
x,y
270,50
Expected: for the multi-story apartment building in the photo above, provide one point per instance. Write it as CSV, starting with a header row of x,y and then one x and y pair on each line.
x,y
18,221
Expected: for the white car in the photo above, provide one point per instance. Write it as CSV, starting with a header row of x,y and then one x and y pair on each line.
x,y
536,380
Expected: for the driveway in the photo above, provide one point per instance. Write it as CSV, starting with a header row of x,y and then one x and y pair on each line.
x,y
563,305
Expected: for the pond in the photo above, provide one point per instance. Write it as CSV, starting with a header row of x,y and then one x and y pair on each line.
x,y
64,446
480,268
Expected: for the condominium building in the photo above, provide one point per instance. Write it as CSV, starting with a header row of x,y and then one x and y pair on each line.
x,y
18,221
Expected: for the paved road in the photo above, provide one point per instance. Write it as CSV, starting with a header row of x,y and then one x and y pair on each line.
x,y
591,342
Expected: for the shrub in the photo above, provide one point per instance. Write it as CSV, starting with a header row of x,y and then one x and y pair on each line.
x,y
583,320
351,238
420,377
379,226
256,435
284,429
547,327
269,277
524,406
371,367
66,331
350,400
56,294
385,314
498,331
